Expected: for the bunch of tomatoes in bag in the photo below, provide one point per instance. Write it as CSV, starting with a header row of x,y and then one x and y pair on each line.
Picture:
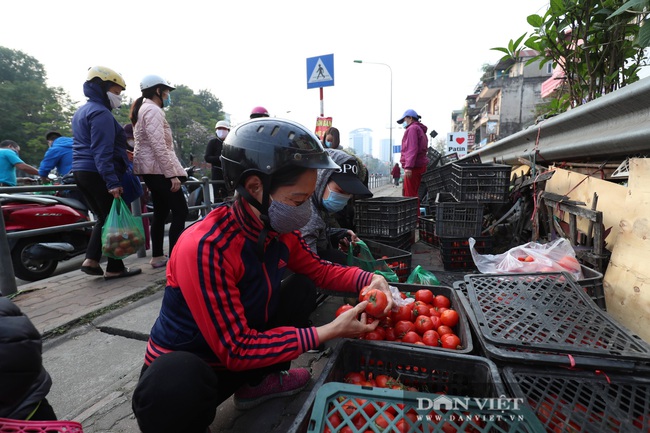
x,y
430,320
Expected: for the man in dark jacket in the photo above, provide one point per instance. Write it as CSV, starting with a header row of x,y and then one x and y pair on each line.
x,y
213,156
24,382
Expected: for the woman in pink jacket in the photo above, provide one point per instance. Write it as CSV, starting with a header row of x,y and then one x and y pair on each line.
x,y
155,160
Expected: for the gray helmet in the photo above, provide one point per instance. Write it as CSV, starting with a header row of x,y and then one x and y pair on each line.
x,y
266,145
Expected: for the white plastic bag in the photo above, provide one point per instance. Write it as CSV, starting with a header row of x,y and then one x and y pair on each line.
x,y
556,256
397,298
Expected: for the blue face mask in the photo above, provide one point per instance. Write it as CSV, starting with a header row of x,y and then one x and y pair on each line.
x,y
405,124
336,201
168,100
328,144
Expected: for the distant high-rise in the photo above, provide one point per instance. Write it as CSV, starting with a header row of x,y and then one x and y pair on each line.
x,y
361,141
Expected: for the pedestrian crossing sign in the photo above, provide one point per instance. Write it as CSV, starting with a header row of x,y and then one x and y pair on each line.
x,y
320,71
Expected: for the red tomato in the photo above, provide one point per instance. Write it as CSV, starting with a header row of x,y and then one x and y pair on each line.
x,y
441,301
450,341
420,310
411,337
382,380
342,309
449,318
335,419
390,334
569,263
373,336
402,313
362,293
436,322
384,420
444,329
377,303
354,377
433,311
424,295
403,327
431,338
423,324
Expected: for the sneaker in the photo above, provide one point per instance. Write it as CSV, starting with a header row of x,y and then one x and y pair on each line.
x,y
280,384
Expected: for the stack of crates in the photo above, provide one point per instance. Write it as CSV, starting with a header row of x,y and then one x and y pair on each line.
x,y
557,351
387,220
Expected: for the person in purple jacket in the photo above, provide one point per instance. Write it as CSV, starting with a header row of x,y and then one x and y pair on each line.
x,y
414,152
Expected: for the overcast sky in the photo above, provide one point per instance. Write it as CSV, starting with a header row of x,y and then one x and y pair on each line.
x,y
254,52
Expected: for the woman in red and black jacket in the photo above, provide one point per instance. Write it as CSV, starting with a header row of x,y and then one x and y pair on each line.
x,y
229,323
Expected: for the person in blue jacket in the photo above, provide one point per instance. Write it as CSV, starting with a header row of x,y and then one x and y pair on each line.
x,y
99,161
58,155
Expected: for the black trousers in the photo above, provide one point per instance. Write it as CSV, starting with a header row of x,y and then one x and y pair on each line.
x,y
99,201
164,202
179,392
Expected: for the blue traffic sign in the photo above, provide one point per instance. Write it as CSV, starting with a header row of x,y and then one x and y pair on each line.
x,y
320,71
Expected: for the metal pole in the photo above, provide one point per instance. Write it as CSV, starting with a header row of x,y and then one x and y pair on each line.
x,y
390,125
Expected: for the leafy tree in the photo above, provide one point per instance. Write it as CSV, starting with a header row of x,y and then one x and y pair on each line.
x,y
595,48
28,108
640,10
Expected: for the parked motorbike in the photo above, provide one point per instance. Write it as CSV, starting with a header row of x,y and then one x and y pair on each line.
x,y
36,257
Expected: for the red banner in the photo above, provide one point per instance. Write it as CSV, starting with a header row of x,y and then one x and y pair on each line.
x,y
322,125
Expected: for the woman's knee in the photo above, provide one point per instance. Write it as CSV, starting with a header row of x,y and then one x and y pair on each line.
x,y
177,392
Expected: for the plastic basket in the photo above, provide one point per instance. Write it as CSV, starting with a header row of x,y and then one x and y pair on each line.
x,y
483,183
398,260
402,242
592,282
18,426
373,406
449,158
582,401
456,255
435,371
462,329
434,158
437,180
549,319
385,216
457,219
427,231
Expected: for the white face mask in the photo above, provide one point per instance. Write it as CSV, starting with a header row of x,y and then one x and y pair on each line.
x,y
222,133
115,100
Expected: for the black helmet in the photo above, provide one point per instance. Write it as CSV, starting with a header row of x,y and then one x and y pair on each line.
x,y
52,135
265,145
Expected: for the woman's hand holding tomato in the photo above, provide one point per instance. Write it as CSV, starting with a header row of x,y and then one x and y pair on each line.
x,y
378,282
351,323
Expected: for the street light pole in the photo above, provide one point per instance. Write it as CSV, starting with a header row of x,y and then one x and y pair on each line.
x,y
390,125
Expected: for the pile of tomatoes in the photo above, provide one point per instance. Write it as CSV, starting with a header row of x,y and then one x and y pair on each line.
x,y
394,417
429,321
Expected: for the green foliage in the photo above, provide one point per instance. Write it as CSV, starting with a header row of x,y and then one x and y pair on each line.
x,y
594,44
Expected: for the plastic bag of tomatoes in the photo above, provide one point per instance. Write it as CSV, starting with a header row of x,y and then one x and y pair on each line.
x,y
359,255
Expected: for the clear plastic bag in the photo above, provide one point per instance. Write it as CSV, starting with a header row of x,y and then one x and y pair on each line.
x,y
122,234
533,257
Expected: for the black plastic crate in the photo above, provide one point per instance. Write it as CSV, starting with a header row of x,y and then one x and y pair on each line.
x,y
426,230
462,329
449,158
434,158
592,282
484,183
457,219
437,180
583,401
456,255
385,216
548,318
435,371
402,242
396,259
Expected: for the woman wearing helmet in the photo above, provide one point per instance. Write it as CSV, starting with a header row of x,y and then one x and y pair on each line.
x,y
155,160
229,323
99,161
257,112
